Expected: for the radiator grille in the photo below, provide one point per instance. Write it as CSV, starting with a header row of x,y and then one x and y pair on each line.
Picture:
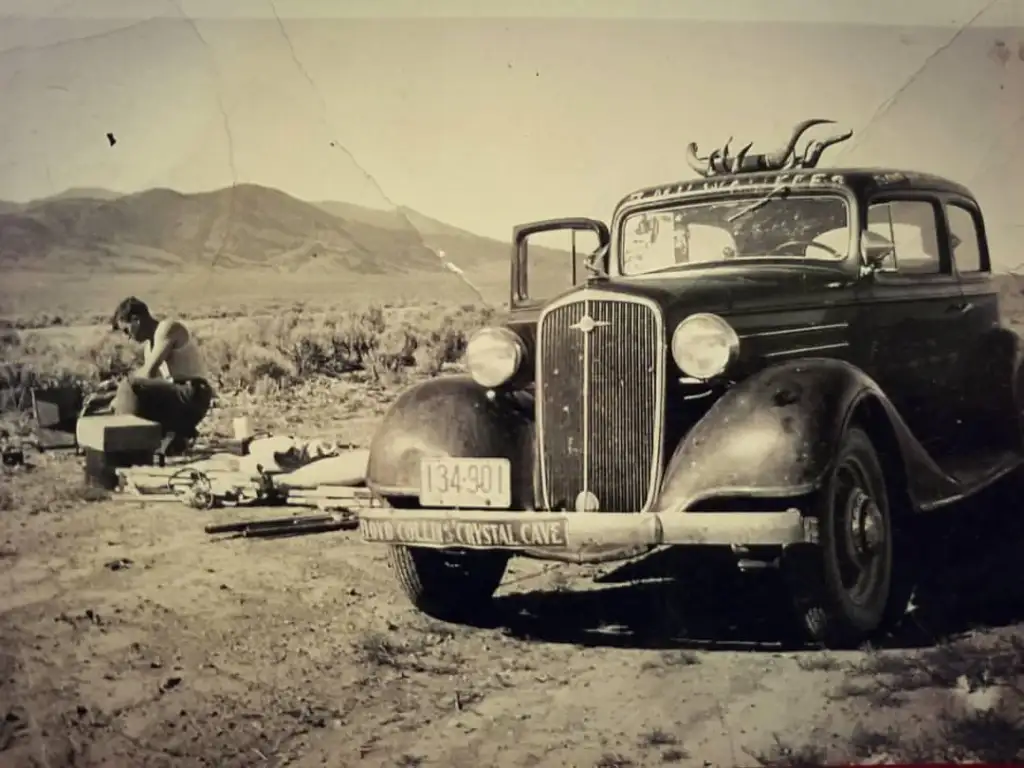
x,y
600,402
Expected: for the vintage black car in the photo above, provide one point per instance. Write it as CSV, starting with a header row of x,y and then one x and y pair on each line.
x,y
790,363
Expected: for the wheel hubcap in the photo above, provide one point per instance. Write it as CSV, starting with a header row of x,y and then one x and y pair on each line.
x,y
866,527
861,533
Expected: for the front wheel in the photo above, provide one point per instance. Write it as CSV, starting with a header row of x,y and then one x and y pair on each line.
x,y
846,588
451,586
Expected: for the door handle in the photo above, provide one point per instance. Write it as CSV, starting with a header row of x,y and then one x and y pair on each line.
x,y
962,308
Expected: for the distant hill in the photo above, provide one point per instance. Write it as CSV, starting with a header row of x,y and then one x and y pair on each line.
x,y
466,249
251,227
80,193
399,218
75,193
247,227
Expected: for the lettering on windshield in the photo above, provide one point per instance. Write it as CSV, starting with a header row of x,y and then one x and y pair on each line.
x,y
737,183
903,177
891,177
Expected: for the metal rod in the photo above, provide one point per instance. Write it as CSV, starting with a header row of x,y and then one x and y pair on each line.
x,y
573,256
277,522
299,530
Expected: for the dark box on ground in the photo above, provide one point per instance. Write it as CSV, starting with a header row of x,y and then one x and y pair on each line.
x,y
56,412
101,467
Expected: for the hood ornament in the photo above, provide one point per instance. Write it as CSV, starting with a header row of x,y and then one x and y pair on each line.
x,y
587,324
593,263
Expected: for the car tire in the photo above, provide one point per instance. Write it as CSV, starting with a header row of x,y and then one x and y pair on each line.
x,y
847,587
450,586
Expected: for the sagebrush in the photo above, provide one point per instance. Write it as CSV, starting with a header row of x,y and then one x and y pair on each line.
x,y
259,354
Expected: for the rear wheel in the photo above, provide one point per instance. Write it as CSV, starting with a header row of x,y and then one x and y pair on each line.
x,y
846,588
451,586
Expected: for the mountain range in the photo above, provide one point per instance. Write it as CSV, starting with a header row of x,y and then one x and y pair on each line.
x,y
247,227
251,227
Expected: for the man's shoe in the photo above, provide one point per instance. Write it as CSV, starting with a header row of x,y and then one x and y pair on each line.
x,y
174,445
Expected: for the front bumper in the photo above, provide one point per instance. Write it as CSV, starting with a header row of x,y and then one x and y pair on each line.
x,y
571,531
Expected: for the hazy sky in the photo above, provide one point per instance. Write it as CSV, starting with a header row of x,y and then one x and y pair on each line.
x,y
486,122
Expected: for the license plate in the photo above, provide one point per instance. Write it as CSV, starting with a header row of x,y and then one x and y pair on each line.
x,y
532,531
465,483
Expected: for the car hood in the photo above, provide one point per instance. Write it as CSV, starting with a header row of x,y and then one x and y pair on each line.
x,y
732,289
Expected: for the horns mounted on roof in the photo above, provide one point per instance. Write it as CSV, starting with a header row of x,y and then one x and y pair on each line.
x,y
785,157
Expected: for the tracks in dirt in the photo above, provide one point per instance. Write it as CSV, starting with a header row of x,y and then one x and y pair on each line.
x,y
302,652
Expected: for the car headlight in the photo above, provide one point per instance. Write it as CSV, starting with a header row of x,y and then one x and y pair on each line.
x,y
704,346
493,356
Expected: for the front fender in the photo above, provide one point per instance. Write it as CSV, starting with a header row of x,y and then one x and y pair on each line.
x,y
452,416
775,435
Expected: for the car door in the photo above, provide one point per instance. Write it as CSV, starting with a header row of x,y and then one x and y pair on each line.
x,y
911,315
985,373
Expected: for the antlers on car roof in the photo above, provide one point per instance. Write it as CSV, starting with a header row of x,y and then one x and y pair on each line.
x,y
782,159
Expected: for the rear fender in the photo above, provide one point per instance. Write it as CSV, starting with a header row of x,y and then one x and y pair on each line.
x,y
774,436
452,416
995,382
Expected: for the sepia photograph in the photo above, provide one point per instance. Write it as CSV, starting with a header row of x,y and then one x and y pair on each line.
x,y
605,384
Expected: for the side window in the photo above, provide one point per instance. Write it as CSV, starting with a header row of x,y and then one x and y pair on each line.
x,y
965,240
912,227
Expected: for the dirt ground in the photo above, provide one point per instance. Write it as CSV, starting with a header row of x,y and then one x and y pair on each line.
x,y
128,637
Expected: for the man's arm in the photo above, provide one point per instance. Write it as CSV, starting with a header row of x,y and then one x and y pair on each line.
x,y
168,337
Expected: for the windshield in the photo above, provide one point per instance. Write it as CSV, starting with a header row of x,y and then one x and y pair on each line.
x,y
771,224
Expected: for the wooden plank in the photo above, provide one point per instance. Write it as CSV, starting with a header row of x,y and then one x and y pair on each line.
x,y
335,492
145,498
324,505
162,472
329,496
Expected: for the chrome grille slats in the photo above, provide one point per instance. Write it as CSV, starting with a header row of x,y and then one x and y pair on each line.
x,y
613,409
560,352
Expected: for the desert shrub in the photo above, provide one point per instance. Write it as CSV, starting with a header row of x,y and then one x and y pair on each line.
x,y
394,350
54,320
262,354
111,356
32,360
8,335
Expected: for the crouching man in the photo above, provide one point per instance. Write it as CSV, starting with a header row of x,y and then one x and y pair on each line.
x,y
171,388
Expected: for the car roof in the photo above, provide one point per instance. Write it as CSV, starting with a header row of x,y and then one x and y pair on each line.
x,y
860,180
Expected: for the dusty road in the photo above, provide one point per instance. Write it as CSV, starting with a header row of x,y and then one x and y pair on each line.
x,y
130,638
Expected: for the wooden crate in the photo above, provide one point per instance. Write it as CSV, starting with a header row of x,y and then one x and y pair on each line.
x,y
118,434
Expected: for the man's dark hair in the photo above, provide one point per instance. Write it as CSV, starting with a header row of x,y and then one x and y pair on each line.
x,y
127,311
